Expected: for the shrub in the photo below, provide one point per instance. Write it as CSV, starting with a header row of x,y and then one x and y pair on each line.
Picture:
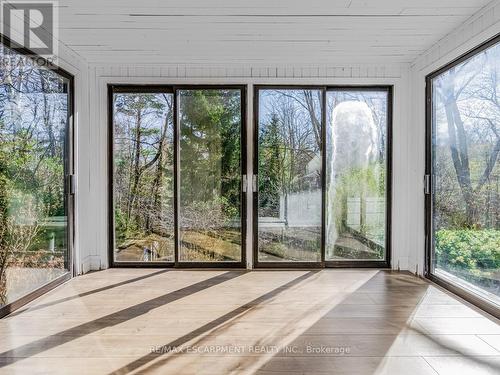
x,y
475,252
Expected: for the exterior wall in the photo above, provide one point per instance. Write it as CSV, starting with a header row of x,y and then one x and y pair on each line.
x,y
95,243
303,209
480,27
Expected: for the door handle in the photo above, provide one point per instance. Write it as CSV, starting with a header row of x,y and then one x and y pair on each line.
x,y
255,185
244,183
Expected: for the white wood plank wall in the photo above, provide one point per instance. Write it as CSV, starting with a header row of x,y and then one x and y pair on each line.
x,y
328,42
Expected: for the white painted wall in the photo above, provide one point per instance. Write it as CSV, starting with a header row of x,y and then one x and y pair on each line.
x,y
94,229
408,127
480,27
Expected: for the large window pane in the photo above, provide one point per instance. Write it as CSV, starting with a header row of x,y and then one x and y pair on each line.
x,y
143,179
289,178
34,105
465,145
210,175
356,174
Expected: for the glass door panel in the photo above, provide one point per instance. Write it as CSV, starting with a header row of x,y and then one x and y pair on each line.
x,y
143,176
356,174
289,175
35,161
210,198
465,147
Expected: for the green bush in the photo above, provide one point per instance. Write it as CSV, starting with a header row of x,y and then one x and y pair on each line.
x,y
476,252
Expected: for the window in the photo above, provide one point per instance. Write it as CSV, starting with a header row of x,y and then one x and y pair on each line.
x,y
323,167
176,182
143,176
35,161
321,184
210,175
356,174
464,173
289,170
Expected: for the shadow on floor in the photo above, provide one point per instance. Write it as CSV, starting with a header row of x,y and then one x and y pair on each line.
x,y
90,292
362,336
343,321
111,320
166,348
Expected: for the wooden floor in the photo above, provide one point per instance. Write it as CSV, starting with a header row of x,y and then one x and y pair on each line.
x,y
142,321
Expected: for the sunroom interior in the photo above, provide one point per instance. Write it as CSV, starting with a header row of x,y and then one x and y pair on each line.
x,y
250,187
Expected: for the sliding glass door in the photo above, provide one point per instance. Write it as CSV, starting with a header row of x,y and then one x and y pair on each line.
x,y
210,195
289,174
177,163
143,175
463,175
322,166
321,176
35,164
357,161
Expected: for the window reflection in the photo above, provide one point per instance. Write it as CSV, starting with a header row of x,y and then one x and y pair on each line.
x,y
356,145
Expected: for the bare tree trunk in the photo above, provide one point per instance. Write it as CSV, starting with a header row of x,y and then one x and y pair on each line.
x,y
132,200
46,117
157,183
308,95
460,156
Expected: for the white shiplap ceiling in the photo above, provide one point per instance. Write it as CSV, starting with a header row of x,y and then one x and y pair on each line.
x,y
258,31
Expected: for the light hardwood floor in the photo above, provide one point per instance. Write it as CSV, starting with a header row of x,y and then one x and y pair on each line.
x,y
143,321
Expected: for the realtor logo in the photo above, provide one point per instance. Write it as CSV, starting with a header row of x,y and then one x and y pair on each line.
x,y
30,25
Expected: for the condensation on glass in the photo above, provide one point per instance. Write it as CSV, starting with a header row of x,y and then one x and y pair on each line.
x,y
34,164
466,174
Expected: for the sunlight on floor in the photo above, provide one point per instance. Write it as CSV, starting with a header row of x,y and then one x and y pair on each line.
x,y
189,322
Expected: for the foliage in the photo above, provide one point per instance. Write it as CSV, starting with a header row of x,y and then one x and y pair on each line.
x,y
476,251
361,182
467,172
210,130
473,255
210,122
33,119
270,156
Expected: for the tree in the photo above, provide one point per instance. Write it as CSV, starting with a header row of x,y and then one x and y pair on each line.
x,y
33,121
270,158
471,89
